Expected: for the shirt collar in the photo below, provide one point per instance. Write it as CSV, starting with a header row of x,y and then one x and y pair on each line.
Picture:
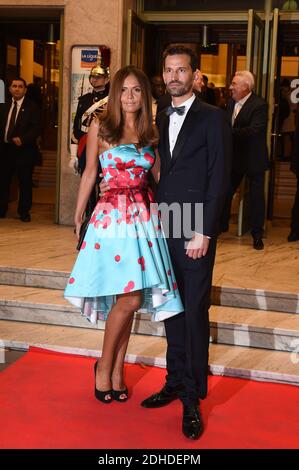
x,y
187,103
243,100
19,102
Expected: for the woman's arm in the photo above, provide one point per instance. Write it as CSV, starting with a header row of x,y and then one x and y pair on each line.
x,y
88,178
156,167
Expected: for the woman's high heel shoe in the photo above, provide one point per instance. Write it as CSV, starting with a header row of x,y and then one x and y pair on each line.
x,y
106,396
120,395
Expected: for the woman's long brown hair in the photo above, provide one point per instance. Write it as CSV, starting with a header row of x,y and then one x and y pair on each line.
x,y
112,123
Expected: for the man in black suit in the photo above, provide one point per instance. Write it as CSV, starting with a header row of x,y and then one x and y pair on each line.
x,y
248,114
294,233
207,94
20,125
195,167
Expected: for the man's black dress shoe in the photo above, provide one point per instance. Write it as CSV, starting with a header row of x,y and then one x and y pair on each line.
x,y
258,244
293,237
192,425
162,398
25,217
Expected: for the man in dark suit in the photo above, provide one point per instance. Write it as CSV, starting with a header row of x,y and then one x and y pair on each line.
x,y
207,94
294,233
194,153
20,125
248,114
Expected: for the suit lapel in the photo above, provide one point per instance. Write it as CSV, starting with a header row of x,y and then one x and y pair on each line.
x,y
185,131
6,110
21,111
245,107
230,109
163,128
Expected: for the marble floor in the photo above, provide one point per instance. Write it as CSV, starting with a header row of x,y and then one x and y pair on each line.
x,y
41,244
254,363
44,246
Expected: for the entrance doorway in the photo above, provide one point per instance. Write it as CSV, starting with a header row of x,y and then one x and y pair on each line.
x,y
286,112
224,43
30,48
235,41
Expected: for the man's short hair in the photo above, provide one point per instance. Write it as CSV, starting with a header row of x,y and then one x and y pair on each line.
x,y
174,49
18,79
247,77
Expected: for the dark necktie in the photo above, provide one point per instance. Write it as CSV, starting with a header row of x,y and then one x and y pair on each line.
x,y
12,122
171,109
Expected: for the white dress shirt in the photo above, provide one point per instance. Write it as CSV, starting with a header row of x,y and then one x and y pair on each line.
x,y
176,122
19,104
238,106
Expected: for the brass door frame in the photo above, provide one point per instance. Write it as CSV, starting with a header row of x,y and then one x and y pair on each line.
x,y
59,124
272,132
254,21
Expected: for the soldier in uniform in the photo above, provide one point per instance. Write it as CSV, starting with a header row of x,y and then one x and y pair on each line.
x,y
90,104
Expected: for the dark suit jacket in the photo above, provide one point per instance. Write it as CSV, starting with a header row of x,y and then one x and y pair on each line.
x,y
27,127
163,102
250,153
84,102
198,170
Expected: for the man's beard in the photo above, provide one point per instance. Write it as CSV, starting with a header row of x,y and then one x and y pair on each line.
x,y
181,91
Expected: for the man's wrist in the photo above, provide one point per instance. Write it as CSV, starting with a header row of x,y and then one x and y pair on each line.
x,y
201,235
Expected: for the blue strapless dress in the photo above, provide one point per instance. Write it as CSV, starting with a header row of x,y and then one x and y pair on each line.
x,y
124,248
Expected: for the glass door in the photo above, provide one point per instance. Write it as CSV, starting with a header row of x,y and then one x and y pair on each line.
x,y
135,40
254,63
273,114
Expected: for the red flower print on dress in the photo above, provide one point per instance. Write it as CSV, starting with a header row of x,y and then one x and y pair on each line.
x,y
83,245
129,286
150,244
144,214
72,280
174,285
106,221
137,170
149,158
112,170
141,261
122,166
139,197
93,218
117,258
97,246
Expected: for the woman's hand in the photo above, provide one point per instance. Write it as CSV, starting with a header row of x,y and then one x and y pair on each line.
x,y
156,168
104,186
78,223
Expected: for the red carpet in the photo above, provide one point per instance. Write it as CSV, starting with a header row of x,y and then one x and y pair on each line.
x,y
47,402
